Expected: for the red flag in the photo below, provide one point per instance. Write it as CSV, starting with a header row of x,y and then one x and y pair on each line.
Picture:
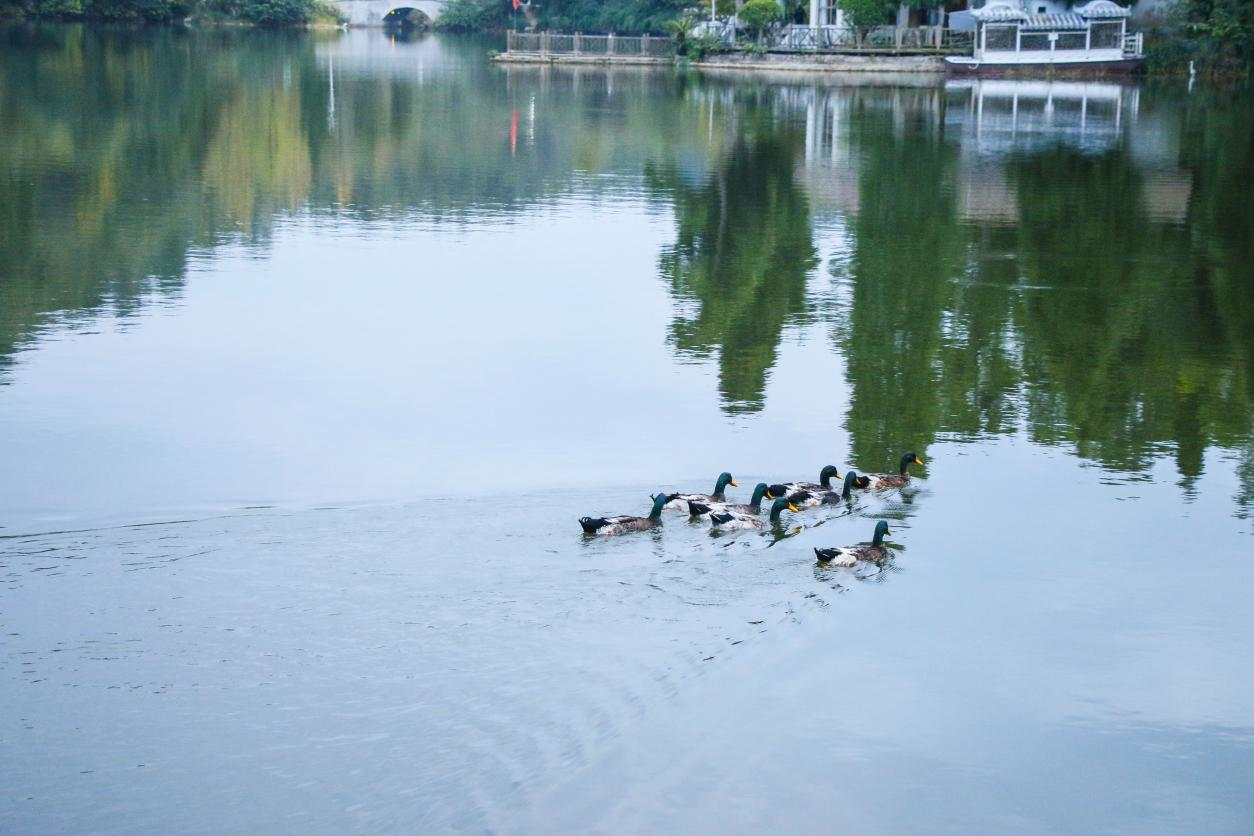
x,y
516,5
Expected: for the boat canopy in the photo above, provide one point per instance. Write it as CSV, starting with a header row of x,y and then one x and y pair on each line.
x,y
1094,32
1102,8
1003,12
1052,23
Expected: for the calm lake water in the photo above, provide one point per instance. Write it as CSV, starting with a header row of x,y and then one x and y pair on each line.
x,y
313,347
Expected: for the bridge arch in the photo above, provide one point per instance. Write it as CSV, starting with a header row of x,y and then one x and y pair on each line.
x,y
375,12
407,17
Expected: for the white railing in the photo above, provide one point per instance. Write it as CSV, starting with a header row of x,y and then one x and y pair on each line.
x,y
878,39
793,38
557,43
1134,44
724,30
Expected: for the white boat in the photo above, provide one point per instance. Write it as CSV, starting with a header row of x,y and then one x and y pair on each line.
x,y
1090,39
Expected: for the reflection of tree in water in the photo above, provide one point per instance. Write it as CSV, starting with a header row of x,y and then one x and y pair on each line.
x,y
1130,333
903,252
119,155
128,155
1103,329
741,256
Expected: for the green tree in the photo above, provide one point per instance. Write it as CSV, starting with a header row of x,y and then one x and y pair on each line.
x,y
757,16
864,15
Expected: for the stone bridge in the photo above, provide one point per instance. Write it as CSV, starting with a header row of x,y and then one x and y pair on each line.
x,y
373,12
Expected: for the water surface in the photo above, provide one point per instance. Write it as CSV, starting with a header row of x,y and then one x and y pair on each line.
x,y
314,346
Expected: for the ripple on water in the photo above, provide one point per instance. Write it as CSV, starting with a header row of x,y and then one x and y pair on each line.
x,y
459,663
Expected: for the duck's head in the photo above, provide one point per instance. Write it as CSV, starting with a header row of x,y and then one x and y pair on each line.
x,y
881,531
659,502
908,459
852,480
776,491
724,479
760,490
780,505
827,474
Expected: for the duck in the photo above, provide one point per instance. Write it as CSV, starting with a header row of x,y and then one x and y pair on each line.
x,y
809,498
826,475
679,501
623,523
850,555
754,506
880,481
732,522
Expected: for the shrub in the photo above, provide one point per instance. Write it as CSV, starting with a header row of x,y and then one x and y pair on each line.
x,y
758,15
867,14
473,15
702,45
277,12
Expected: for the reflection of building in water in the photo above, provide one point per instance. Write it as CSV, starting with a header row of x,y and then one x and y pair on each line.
x,y
829,168
989,121
998,116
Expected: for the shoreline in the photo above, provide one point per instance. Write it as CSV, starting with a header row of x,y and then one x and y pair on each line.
x,y
785,62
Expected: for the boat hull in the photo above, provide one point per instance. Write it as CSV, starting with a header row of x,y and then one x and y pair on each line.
x,y
967,67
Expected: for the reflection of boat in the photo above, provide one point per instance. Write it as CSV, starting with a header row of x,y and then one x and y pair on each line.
x,y
1005,115
1091,39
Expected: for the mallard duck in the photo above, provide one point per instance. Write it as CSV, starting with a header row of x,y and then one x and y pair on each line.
x,y
754,506
729,522
808,498
679,501
623,524
850,555
826,475
879,481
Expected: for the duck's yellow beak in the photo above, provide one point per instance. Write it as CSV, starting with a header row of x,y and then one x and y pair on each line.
x,y
918,460
886,531
733,483
792,507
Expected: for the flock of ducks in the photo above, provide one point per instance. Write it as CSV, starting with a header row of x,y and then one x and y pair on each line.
x,y
785,496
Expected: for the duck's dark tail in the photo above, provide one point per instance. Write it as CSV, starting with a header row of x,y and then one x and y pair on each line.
x,y
825,555
696,509
591,525
720,519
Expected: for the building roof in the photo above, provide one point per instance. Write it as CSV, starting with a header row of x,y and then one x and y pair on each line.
x,y
1052,23
1001,11
1102,8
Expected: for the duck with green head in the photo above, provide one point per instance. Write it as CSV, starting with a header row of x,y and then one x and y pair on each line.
x,y
850,555
808,499
826,475
623,523
731,522
809,494
754,506
679,501
880,481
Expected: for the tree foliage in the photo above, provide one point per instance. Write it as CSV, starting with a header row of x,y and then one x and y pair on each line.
x,y
865,14
758,15
474,15
262,12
